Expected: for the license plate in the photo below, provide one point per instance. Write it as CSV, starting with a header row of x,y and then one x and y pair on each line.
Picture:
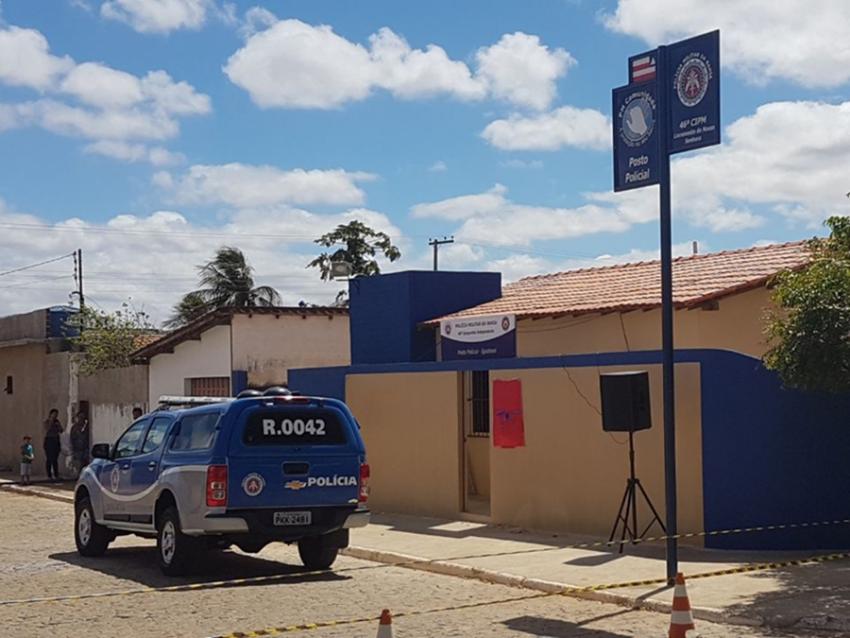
x,y
293,518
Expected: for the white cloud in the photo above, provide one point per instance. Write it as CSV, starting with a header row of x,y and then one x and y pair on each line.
x,y
798,40
494,219
521,70
256,19
464,206
292,64
158,16
565,126
102,86
116,149
438,167
518,163
94,101
788,156
243,185
277,242
25,59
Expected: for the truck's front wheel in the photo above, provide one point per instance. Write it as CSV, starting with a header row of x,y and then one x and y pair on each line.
x,y
91,538
317,552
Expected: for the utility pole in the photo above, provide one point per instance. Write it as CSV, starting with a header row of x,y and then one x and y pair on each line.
x,y
78,275
436,243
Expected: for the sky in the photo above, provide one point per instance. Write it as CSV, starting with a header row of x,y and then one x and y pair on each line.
x,y
148,133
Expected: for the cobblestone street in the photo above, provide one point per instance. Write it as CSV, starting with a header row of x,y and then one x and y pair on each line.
x,y
38,559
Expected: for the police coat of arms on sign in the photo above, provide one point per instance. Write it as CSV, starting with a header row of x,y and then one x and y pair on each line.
x,y
692,79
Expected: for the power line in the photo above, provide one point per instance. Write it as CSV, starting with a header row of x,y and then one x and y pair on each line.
x,y
36,265
173,233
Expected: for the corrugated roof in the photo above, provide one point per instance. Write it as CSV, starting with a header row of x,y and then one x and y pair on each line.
x,y
696,280
222,316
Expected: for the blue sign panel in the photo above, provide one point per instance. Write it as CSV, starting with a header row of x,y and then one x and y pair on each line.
x,y
491,337
636,135
693,85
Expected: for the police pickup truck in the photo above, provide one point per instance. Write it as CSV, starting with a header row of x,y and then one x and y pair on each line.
x,y
245,472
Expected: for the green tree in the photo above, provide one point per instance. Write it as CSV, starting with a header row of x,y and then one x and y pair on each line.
x,y
809,329
358,245
228,280
109,338
190,307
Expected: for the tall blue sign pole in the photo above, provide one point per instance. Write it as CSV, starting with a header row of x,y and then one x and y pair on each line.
x,y
671,105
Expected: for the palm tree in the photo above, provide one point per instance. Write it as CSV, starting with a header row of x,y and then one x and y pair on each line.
x,y
190,307
227,280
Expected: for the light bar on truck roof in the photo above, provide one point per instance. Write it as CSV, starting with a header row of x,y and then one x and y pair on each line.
x,y
173,400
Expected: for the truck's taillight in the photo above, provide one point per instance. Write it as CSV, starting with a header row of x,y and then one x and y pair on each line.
x,y
217,486
364,482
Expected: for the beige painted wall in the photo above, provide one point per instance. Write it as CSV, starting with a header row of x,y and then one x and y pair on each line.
x,y
570,476
22,411
207,357
737,325
478,466
410,427
112,394
267,347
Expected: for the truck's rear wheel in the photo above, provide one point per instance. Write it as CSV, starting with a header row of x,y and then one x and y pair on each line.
x,y
317,552
91,538
175,550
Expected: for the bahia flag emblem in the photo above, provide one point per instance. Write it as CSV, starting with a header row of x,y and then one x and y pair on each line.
x,y
508,424
642,68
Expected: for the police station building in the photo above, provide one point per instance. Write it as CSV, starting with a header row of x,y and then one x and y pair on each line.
x,y
431,351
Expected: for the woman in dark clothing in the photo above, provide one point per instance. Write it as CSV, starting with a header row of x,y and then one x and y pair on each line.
x,y
80,442
52,429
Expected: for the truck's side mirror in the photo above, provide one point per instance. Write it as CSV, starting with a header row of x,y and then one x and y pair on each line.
x,y
100,451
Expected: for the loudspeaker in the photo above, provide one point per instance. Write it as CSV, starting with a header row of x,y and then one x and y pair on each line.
x,y
625,401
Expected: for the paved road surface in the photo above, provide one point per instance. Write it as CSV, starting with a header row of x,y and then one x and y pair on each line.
x,y
37,559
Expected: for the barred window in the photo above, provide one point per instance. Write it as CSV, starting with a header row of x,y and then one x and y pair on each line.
x,y
478,397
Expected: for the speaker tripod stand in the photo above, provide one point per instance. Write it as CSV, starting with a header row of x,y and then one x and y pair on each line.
x,y
628,506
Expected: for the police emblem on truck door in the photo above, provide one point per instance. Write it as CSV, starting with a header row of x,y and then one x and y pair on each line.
x,y
253,484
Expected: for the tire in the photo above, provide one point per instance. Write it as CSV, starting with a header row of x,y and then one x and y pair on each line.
x,y
175,551
317,553
91,538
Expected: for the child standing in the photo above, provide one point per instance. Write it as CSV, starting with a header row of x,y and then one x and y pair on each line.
x,y
27,456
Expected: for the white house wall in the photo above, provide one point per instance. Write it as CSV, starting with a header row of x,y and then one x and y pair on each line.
x,y
267,347
208,356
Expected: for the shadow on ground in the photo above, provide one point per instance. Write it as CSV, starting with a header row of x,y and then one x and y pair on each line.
x,y
807,597
551,628
139,564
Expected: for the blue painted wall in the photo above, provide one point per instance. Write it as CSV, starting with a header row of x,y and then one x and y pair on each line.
x,y
772,456
238,381
386,311
319,382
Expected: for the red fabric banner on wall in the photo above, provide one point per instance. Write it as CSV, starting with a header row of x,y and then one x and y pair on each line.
x,y
508,426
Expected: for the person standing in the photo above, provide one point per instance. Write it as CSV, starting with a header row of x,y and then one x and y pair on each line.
x,y
52,445
27,456
80,442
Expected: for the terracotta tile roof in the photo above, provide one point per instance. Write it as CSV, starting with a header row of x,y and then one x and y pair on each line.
x,y
696,279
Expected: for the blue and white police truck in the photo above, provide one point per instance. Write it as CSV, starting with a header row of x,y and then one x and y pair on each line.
x,y
247,472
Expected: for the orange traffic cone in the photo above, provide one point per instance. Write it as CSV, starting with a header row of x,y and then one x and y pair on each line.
x,y
385,626
681,620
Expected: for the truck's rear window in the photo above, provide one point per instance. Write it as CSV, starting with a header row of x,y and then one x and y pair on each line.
x,y
294,426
